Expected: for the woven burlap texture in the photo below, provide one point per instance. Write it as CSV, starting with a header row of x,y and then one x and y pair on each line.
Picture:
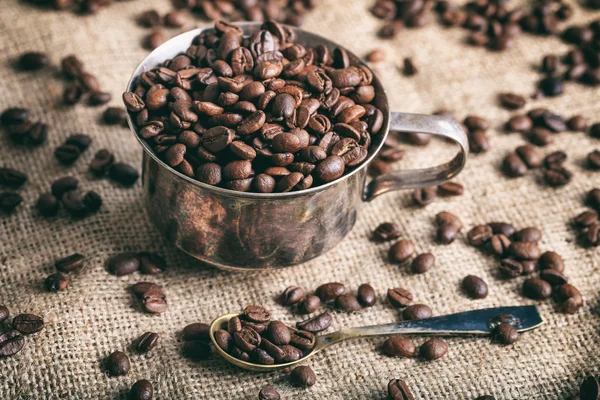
x,y
96,315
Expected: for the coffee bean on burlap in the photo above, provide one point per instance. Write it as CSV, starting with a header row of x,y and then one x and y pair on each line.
x,y
123,264
56,282
141,390
399,297
154,301
32,61
268,393
416,311
292,295
399,347
505,334
401,251
28,323
11,342
366,295
147,342
387,231
123,174
12,178
151,263
475,287
330,291
398,390
310,304
347,303
433,349
303,376
537,289
117,364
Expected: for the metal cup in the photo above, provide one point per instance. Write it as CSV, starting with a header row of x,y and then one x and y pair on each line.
x,y
249,231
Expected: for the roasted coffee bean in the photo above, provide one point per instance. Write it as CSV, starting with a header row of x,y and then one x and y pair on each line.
x,y
530,156
557,176
151,263
56,282
595,130
433,349
480,235
478,141
101,162
512,101
67,154
330,169
223,338
416,311
99,98
524,250
553,277
330,291
33,61
586,219
278,332
141,390
303,340
117,364
196,350
476,123
593,159
47,205
409,67
536,289
11,342
92,202
424,196
123,174
513,166
447,233
486,397
398,390
567,291
12,178
257,314
147,342
64,185
154,40
310,304
292,295
268,393
502,227
234,325
551,260
123,264
28,323
73,202
376,55
399,347
154,301
14,116
499,243
577,123
510,268
551,86
140,288
528,235
247,339
176,19
4,313
387,231
399,297
303,376
366,295
347,303
422,263
401,251
593,199
475,287
446,218
505,334
316,324
114,116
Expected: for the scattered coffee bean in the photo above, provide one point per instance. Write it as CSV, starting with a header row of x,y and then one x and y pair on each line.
x,y
141,390
310,304
577,123
47,205
399,297
101,162
524,250
139,288
480,235
586,219
499,244
366,295
416,311
530,234
67,154
12,178
433,349
4,313
123,174
551,260
505,334
423,197
399,347
593,160
401,251
409,67
330,291
347,303
114,116
154,301
530,156
475,287
33,61
376,55
510,268
519,123
303,376
117,364
151,263
422,263
196,350
70,263
537,289
292,295
268,393
147,342
512,101
196,331
387,231
28,323
398,390
9,201
123,264
11,342
56,282
513,166
316,324
176,19
450,189
551,86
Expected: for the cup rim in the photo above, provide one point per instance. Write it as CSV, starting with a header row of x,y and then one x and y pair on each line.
x,y
191,34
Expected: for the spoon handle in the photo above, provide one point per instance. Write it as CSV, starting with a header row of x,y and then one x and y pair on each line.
x,y
472,323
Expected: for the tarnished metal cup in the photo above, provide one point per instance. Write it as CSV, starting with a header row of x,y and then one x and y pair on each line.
x,y
246,231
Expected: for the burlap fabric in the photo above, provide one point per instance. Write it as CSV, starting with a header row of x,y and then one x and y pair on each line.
x,y
96,315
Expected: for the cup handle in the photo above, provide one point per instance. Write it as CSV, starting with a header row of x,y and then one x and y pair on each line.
x,y
418,178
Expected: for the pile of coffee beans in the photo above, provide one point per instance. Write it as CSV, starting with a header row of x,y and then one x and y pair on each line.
x,y
520,255
12,341
151,297
254,337
20,129
398,390
587,223
289,12
398,14
65,191
448,227
476,128
196,341
262,114
81,83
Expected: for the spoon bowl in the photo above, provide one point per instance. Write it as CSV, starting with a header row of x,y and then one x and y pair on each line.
x,y
472,323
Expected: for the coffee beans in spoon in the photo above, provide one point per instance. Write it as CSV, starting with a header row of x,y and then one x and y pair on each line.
x,y
261,113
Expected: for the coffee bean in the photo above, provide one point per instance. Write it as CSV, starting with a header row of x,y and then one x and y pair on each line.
x,y
499,244
450,189
366,295
139,288
557,176
47,205
524,250
530,156
577,123
67,154
513,166
476,123
447,233
486,397
56,282
553,277
536,289
234,325
151,263
292,295
480,235
330,169
12,178
550,64
11,342
99,98
551,86
505,334
446,218
416,311
154,40
433,349
176,19
399,347
123,264
586,219
422,263
475,287
510,268
399,297
101,162
376,55
223,338
310,304
519,123
33,61
330,291
593,159
347,303
64,185
551,260
567,291
512,101
117,364
387,231
593,199
401,251
154,301
123,174
196,350
528,235
278,332
316,324
423,197
303,340
28,323
590,388
303,376
147,342
398,390
502,227
247,339
14,116
409,67
141,390
4,313
541,137
257,314
268,393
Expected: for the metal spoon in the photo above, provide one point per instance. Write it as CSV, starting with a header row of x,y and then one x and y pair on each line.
x,y
471,323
